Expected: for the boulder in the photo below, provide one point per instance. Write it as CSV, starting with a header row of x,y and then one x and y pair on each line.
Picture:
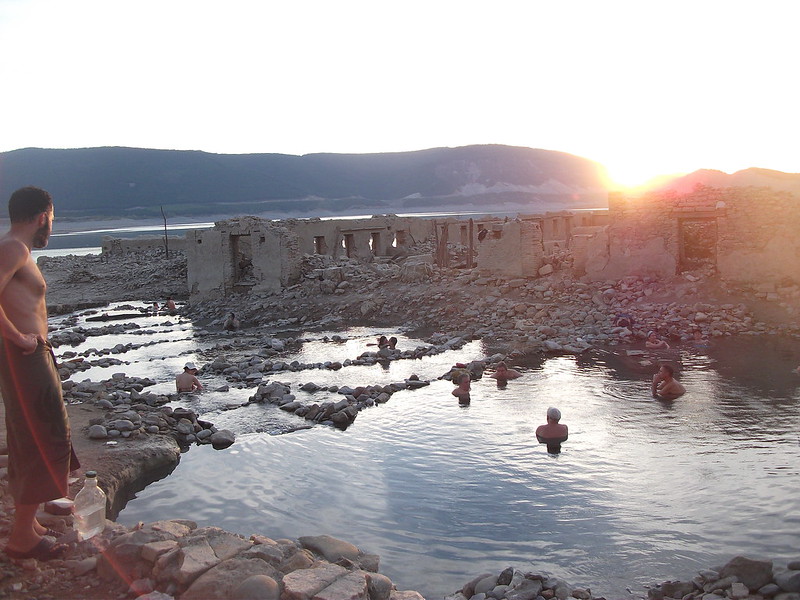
x,y
788,581
222,439
219,582
260,587
330,548
753,573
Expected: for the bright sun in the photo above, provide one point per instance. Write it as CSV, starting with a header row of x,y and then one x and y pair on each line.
x,y
631,173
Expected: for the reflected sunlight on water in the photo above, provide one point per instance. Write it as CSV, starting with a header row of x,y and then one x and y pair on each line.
x,y
643,491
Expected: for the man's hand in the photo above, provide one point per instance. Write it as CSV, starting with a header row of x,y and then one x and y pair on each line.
x,y
29,342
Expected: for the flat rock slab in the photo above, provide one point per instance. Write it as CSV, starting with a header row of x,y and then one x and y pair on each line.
x,y
219,582
304,584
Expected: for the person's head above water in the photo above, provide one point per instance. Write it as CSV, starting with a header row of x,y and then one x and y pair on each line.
x,y
554,414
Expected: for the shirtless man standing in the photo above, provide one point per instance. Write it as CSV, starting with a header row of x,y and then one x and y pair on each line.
x,y
40,454
665,387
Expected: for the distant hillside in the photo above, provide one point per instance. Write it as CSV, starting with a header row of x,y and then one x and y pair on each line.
x,y
777,180
135,182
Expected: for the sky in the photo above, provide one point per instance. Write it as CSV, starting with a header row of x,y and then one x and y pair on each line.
x,y
645,87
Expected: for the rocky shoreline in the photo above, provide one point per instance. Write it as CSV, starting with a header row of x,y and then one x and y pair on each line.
x,y
549,315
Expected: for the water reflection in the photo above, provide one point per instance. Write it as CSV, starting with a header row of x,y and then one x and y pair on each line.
x,y
642,491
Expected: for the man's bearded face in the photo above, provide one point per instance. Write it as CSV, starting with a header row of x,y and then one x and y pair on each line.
x,y
42,235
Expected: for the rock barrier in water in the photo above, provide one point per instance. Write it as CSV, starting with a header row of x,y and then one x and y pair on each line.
x,y
741,578
341,413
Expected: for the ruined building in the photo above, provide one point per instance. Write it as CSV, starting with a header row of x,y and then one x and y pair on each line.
x,y
745,235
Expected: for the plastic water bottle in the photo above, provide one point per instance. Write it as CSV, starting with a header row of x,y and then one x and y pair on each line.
x,y
90,508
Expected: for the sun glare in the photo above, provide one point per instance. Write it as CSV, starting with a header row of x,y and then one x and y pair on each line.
x,y
630,175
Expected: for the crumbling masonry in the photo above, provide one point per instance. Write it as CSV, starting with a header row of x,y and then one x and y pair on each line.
x,y
745,235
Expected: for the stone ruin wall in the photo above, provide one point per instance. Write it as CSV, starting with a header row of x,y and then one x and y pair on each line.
x,y
361,239
250,253
751,234
513,249
241,255
114,246
759,239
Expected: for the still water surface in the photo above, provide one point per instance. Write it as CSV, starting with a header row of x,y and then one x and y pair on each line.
x,y
643,491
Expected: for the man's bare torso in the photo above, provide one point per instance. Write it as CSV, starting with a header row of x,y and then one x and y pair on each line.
x,y
23,299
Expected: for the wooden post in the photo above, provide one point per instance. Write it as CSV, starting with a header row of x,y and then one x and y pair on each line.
x,y
436,254
445,254
166,239
471,250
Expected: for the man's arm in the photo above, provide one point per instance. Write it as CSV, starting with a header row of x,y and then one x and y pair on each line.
x,y
671,391
196,383
13,256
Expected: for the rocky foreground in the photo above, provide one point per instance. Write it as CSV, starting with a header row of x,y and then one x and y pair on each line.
x,y
551,314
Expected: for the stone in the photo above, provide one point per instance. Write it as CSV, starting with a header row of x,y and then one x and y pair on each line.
x,y
545,270
222,439
528,589
753,573
352,586
675,589
82,567
219,582
769,590
301,559
506,576
330,548
97,432
486,584
257,587
268,553
788,581
379,586
738,591
194,560
224,543
369,562
398,595
303,584
151,551
469,588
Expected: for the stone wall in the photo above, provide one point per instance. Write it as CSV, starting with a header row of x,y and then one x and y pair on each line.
x,y
747,235
512,249
759,238
361,239
120,246
240,255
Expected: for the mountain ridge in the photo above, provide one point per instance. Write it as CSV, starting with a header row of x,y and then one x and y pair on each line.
x,y
114,180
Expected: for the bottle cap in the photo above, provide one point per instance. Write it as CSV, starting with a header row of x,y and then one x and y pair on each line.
x,y
91,474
